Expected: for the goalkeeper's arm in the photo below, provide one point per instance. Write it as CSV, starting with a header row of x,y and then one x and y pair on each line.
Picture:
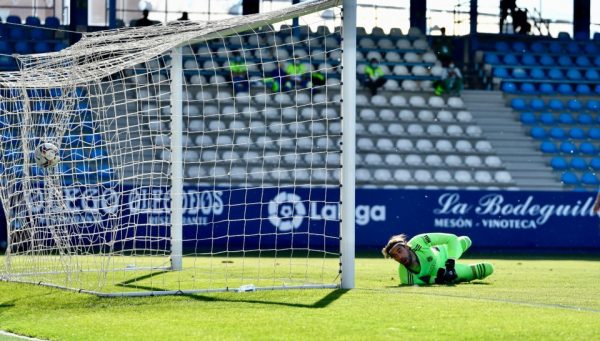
x,y
434,239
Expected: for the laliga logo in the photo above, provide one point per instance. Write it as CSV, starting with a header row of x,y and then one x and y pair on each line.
x,y
286,211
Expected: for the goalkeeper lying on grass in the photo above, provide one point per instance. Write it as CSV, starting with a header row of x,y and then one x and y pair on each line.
x,y
430,258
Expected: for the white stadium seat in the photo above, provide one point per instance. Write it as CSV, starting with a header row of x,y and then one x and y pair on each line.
x,y
454,130
455,102
393,57
367,114
216,126
464,116
415,129
417,101
429,57
445,116
425,115
453,161
411,57
420,44
424,145
395,129
436,102
406,115
204,95
360,128
317,127
209,155
463,176
442,176
237,125
391,84
243,141
403,44
437,70
382,175
365,143
443,145
387,115
196,172
385,43
404,145
162,140
433,160
482,176
398,100
373,159
474,131
422,175
209,110
363,174
190,155
376,128
289,113
366,43
483,146
413,160
503,177
473,161
379,100
463,146
257,127
435,130
360,100
402,175
493,161
335,128
374,54
311,158
419,70
385,144
400,70
204,141
393,160
409,85
224,140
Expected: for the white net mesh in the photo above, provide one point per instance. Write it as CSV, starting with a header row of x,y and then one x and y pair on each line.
x,y
259,157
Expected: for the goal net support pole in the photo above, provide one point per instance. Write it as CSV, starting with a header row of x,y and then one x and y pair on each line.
x,y
176,159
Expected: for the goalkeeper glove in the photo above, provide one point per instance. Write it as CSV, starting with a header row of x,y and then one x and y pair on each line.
x,y
447,275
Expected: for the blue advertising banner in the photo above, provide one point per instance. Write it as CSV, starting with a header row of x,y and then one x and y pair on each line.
x,y
284,218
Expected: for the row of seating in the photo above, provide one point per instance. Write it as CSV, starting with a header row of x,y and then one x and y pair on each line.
x,y
527,88
563,118
364,175
559,133
510,59
573,179
569,148
555,104
552,74
550,46
561,163
430,160
32,28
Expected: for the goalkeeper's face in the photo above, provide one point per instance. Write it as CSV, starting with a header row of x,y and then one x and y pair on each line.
x,y
401,254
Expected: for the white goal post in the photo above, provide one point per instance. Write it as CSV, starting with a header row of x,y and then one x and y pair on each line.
x,y
195,157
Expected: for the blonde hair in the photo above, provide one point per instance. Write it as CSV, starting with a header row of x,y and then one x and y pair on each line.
x,y
397,239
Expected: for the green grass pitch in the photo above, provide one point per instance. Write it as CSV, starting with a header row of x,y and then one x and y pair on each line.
x,y
536,299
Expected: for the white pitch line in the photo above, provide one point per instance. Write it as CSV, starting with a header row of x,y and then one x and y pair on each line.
x,y
17,336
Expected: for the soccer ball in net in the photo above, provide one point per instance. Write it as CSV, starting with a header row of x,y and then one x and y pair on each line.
x,y
46,155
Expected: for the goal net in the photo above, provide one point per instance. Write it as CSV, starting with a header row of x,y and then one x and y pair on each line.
x,y
195,156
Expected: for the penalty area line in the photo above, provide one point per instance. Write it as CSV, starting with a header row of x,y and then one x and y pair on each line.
x,y
502,300
10,336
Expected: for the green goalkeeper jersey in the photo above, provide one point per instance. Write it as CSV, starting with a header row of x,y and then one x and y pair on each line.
x,y
432,250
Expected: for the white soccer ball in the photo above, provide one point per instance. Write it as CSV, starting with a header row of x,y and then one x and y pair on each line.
x,y
46,155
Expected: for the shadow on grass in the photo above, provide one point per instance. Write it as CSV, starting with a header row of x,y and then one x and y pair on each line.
x,y
321,303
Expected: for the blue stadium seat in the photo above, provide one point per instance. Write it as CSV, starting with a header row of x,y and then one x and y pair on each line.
x,y
502,46
585,119
556,104
92,139
563,36
566,118
574,105
77,154
555,74
500,72
593,104
60,46
519,46
537,73
568,147
595,163
537,104
597,61
547,60
583,61
538,47
32,21
518,104
594,133
538,133
529,60
548,147
555,47
578,163
72,140
519,73
528,118
53,23
591,48
592,75
564,60
491,58
98,153
23,47
13,19
573,47
509,87
42,47
558,133
510,59
577,133
569,178
597,89
574,74
588,148
546,88
583,89
559,163
589,178
528,89
565,89
547,118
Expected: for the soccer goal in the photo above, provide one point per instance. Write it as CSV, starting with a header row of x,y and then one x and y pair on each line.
x,y
194,157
